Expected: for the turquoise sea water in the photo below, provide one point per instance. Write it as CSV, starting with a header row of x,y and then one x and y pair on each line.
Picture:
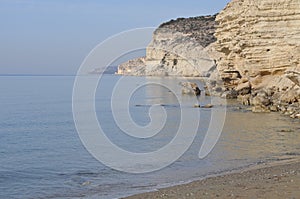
x,y
41,155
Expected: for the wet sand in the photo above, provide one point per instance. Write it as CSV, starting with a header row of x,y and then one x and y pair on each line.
x,y
280,180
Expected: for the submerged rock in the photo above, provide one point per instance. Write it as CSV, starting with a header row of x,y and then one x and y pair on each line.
x,y
204,106
207,106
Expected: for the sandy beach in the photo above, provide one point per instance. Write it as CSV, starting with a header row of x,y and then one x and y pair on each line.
x,y
280,180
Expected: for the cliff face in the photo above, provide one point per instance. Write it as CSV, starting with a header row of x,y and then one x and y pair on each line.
x,y
259,41
133,67
256,45
179,48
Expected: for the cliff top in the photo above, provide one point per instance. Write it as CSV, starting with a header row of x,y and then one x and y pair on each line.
x,y
201,28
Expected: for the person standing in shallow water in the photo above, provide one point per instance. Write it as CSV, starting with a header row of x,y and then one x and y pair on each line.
x,y
197,91
191,88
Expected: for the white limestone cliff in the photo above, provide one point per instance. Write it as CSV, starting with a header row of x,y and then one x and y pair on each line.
x,y
179,48
259,42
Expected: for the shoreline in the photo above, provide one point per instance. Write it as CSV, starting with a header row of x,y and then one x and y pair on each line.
x,y
271,180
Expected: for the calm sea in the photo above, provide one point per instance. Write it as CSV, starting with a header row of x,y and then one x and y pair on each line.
x,y
41,155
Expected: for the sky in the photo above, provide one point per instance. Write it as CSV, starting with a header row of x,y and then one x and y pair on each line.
x,y
54,36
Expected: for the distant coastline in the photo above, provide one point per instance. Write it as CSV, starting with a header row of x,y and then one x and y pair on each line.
x,y
110,70
15,75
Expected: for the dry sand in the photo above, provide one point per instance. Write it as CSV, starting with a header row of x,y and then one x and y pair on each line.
x,y
276,181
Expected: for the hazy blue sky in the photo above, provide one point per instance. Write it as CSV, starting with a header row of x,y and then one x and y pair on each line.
x,y
54,36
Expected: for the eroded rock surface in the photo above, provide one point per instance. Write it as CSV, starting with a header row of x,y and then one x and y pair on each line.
x,y
259,42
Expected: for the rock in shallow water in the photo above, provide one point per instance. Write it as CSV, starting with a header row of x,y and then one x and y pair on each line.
x,y
205,106
190,88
